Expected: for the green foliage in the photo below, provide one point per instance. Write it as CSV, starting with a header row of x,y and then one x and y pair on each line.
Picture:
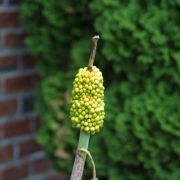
x,y
140,59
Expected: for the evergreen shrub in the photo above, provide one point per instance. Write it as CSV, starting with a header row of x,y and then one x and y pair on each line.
x,y
140,59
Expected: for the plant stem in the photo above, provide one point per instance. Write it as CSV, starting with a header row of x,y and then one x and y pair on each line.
x,y
80,158
79,162
93,52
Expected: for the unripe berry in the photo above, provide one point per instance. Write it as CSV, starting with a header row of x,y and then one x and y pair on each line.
x,y
87,106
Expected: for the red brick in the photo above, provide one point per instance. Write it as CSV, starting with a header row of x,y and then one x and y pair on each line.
x,y
9,19
20,83
6,153
15,172
14,39
14,128
29,147
36,124
8,107
41,165
28,104
8,62
28,61
1,85
1,131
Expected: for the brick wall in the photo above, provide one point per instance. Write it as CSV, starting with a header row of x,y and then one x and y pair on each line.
x,y
20,156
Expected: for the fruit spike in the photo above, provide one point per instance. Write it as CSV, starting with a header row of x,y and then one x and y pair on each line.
x,y
87,109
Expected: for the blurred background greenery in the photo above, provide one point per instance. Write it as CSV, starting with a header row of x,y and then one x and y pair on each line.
x,y
139,55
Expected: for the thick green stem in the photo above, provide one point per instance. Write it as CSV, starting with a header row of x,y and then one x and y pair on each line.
x,y
79,162
83,140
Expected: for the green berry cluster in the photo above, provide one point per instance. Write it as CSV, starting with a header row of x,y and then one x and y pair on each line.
x,y
87,106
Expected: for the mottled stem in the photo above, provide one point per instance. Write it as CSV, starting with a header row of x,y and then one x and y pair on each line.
x,y
79,162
